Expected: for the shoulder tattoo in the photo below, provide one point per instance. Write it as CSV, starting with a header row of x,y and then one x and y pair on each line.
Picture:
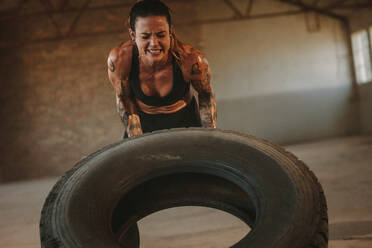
x,y
112,66
195,69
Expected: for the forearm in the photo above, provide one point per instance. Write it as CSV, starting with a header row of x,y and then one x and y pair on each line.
x,y
200,79
208,110
121,111
130,119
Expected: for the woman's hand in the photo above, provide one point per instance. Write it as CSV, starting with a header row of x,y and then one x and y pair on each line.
x,y
134,125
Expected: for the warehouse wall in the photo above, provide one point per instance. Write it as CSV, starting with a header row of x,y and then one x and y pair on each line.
x,y
272,78
277,80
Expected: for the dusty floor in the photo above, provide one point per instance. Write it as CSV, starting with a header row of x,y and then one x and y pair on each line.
x,y
343,166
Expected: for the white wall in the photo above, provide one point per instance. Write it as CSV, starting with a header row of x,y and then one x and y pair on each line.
x,y
278,81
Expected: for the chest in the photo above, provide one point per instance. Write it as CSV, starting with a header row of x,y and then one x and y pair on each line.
x,y
156,83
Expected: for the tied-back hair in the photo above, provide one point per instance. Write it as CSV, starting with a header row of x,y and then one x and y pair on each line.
x,y
145,8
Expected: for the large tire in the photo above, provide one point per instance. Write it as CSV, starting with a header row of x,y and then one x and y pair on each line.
x,y
105,194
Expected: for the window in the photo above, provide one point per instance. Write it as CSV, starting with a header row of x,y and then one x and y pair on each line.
x,y
362,44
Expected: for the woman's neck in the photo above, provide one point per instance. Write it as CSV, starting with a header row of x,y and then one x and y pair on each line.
x,y
154,66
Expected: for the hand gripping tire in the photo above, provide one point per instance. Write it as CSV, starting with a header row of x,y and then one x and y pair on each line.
x,y
99,201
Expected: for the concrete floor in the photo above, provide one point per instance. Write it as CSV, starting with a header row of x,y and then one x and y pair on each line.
x,y
343,166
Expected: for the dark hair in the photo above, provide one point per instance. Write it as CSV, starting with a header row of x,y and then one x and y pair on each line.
x,y
147,8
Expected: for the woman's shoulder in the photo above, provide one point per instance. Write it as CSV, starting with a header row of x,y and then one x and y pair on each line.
x,y
190,52
192,58
123,50
121,57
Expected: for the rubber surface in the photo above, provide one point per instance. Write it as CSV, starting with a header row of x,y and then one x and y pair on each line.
x,y
104,195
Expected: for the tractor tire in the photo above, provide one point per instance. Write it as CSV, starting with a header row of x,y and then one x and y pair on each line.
x,y
99,201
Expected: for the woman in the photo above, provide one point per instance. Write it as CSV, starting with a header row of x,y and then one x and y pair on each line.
x,y
152,74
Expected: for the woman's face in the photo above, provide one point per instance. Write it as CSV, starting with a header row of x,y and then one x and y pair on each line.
x,y
152,37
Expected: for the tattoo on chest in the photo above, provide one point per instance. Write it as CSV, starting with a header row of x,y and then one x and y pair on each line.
x,y
112,66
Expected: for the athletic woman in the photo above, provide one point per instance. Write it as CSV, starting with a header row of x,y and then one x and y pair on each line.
x,y
152,74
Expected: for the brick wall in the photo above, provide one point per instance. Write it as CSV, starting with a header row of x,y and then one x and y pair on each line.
x,y
57,104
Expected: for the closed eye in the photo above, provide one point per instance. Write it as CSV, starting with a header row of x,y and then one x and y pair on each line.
x,y
161,34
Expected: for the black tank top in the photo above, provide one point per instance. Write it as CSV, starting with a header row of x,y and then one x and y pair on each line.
x,y
179,90
188,116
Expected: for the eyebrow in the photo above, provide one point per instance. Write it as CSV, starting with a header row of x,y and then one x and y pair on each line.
x,y
156,33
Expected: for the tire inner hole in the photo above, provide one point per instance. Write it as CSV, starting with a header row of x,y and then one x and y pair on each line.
x,y
189,205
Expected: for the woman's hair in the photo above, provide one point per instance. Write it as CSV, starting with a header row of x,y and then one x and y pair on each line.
x,y
145,8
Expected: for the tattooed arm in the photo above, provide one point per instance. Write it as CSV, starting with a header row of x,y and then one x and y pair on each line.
x,y
118,72
200,80
121,111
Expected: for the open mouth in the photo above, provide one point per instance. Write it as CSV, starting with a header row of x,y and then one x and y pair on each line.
x,y
154,51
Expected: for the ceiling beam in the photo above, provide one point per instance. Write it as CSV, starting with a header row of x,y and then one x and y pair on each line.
x,y
315,3
21,3
354,6
47,6
233,8
120,30
15,11
4,15
335,4
249,8
73,25
250,17
64,4
315,9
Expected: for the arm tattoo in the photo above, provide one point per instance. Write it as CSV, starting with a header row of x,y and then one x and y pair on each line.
x,y
131,122
125,102
207,99
195,69
208,109
121,111
112,67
